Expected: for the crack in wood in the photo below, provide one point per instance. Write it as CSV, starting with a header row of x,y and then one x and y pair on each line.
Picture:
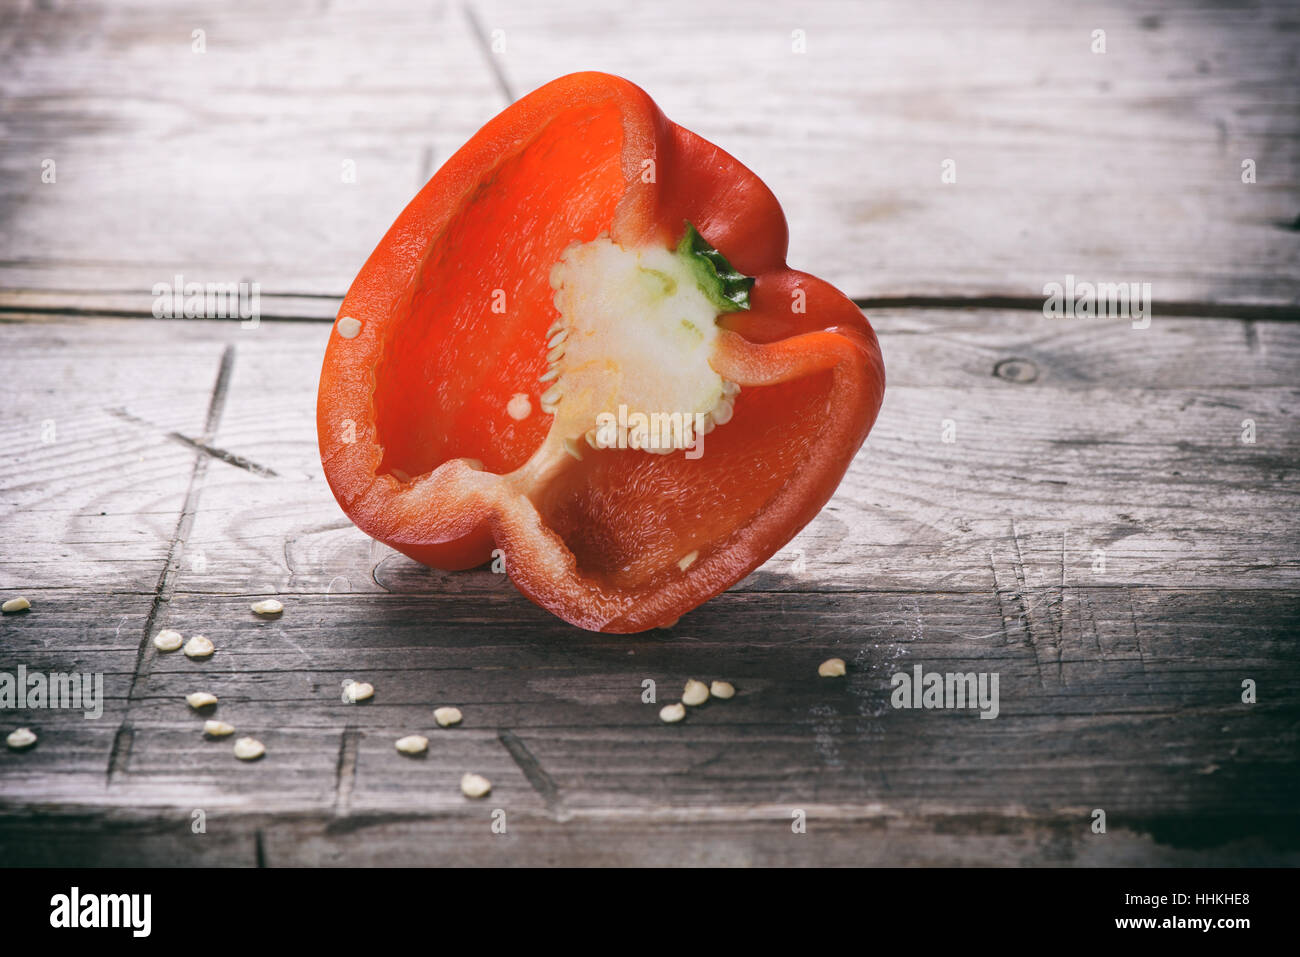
x,y
119,755
230,458
541,782
1182,309
1056,615
1252,335
197,445
485,45
345,770
1137,639
426,166
1024,606
997,594
184,523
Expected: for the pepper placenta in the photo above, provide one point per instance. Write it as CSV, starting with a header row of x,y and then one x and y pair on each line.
x,y
580,345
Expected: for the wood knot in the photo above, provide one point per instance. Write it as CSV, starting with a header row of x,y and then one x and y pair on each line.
x,y
1016,370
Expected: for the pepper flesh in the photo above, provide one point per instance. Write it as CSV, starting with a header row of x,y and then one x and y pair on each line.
x,y
457,310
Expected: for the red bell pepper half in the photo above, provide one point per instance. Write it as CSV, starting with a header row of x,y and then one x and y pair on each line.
x,y
580,344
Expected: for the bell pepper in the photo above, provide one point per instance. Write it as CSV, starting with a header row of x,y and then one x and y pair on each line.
x,y
580,344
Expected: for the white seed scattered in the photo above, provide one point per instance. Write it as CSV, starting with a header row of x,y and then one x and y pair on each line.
x,y
446,717
201,699
20,739
730,388
672,713
696,693
555,354
556,326
198,647
474,785
168,640
349,327
217,729
686,561
268,606
722,689
359,691
831,668
722,412
413,744
548,375
553,394
15,604
573,448
519,408
558,338
249,749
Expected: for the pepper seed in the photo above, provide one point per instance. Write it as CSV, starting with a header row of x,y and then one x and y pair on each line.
x,y
15,604
474,785
446,717
201,699
359,691
349,327
519,407
696,693
831,668
199,647
168,640
249,749
267,607
21,739
722,689
413,744
217,729
672,713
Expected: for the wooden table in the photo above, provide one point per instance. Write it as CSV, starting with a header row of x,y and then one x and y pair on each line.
x,y
1073,504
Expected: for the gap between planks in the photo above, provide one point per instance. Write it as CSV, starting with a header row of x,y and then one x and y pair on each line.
x,y
19,305
119,756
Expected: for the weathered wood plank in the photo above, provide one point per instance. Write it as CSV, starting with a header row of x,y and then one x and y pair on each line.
x,y
229,164
1132,706
85,489
1122,166
1120,687
1040,476
882,836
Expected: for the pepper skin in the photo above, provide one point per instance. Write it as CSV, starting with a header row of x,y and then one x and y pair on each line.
x,y
434,433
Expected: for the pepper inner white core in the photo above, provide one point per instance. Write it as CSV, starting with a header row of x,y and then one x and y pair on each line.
x,y
635,331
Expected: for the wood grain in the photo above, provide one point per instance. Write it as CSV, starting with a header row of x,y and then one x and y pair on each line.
x,y
1120,688
1122,167
1104,517
1117,166
225,165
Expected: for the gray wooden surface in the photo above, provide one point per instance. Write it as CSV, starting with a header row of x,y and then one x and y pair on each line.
x,y
181,480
